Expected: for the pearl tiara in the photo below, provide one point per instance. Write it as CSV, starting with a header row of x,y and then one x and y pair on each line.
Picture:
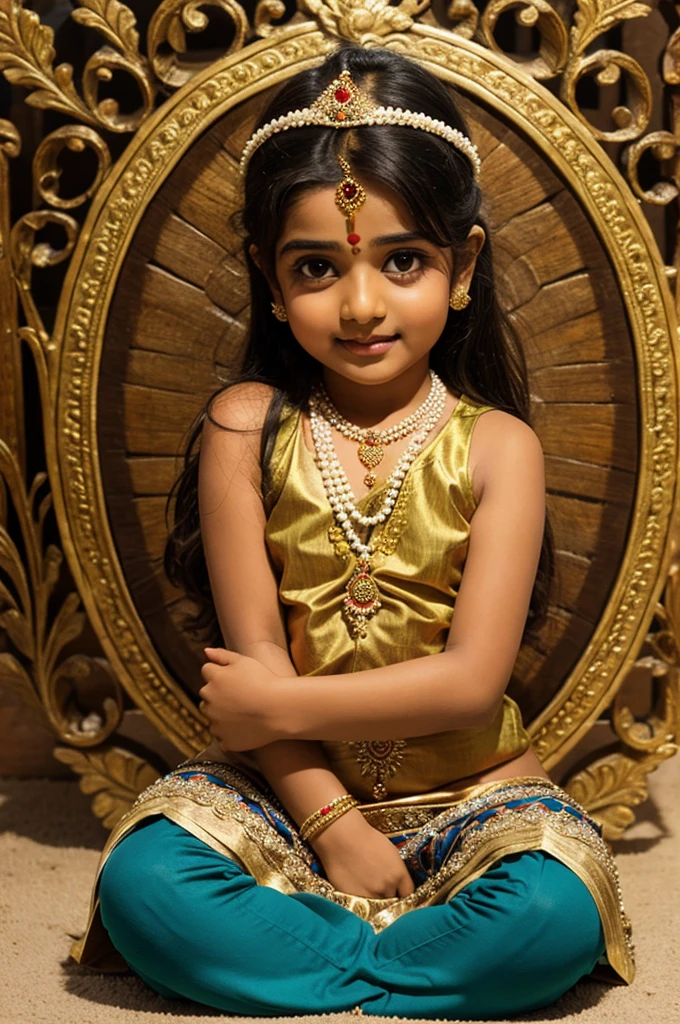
x,y
343,105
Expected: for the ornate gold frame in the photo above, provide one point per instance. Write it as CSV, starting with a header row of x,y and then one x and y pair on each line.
x,y
68,358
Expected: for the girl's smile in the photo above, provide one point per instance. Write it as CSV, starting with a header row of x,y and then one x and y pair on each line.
x,y
371,316
373,346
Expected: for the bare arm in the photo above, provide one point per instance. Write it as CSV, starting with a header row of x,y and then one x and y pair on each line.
x,y
244,587
356,857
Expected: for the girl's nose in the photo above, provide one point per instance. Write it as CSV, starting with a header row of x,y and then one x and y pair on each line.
x,y
363,300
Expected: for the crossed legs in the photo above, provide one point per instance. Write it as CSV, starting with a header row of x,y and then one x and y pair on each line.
x,y
192,924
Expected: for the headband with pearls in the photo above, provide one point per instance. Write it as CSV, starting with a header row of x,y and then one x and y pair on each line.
x,y
343,105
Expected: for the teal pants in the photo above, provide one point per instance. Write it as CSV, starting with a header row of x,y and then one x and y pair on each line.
x,y
192,924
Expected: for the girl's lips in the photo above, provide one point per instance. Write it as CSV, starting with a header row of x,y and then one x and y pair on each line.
x,y
366,348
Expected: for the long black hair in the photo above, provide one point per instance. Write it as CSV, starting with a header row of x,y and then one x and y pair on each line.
x,y
478,353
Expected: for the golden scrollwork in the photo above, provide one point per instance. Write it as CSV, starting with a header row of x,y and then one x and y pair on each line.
x,y
664,147
171,21
562,51
47,172
37,635
464,16
10,141
630,120
11,406
593,17
613,785
554,45
266,12
112,775
27,54
40,663
116,23
27,253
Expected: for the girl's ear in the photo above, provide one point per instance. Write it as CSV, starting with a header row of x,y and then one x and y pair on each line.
x,y
254,254
468,257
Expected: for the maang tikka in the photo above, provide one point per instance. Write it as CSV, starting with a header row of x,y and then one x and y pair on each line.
x,y
350,196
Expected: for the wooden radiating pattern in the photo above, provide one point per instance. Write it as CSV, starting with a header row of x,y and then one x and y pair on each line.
x,y
178,322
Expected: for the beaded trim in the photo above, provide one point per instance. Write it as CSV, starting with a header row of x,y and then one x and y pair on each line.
x,y
523,827
343,105
265,843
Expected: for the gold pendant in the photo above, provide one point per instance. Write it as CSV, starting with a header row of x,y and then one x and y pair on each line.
x,y
363,599
370,479
371,452
381,759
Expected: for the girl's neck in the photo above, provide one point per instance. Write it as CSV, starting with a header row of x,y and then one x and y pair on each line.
x,y
368,405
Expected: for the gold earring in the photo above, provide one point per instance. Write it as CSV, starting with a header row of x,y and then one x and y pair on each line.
x,y
279,312
459,298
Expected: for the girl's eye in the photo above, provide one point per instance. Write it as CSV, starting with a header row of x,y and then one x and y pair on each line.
x,y
404,262
317,270
401,264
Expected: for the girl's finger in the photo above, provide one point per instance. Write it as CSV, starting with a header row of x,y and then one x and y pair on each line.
x,y
218,655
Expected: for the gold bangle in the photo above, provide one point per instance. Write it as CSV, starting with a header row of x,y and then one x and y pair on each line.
x,y
321,819
323,823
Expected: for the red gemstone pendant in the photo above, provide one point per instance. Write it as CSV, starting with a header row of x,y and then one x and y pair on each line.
x,y
343,95
349,190
353,239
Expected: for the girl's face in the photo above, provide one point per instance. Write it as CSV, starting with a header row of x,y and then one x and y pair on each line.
x,y
373,316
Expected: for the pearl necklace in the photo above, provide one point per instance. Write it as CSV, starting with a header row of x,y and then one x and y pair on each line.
x,y
372,442
362,600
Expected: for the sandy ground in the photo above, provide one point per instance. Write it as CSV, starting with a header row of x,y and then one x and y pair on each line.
x,y
49,846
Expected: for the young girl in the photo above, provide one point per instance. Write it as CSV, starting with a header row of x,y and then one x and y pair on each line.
x,y
371,829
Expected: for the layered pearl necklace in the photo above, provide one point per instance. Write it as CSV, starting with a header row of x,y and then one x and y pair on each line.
x,y
372,442
362,600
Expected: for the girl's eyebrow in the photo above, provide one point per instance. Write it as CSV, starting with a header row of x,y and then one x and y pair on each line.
x,y
297,244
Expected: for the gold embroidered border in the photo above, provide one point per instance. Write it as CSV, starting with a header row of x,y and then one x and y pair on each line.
x,y
216,817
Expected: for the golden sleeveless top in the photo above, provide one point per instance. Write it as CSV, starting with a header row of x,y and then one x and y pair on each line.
x,y
420,554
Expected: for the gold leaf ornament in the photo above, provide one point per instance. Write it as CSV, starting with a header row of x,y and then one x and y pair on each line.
x,y
612,786
26,56
37,633
15,677
113,20
359,20
593,17
113,776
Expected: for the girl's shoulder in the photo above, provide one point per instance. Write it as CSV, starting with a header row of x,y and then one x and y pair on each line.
x,y
502,445
242,406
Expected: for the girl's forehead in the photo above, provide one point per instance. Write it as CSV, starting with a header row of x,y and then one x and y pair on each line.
x,y
314,214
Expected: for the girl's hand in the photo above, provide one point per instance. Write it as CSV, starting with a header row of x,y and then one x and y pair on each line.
x,y
360,860
240,700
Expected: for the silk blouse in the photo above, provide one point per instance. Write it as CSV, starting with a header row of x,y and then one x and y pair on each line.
x,y
418,564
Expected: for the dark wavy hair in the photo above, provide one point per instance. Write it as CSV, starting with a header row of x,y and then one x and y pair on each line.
x,y
478,353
